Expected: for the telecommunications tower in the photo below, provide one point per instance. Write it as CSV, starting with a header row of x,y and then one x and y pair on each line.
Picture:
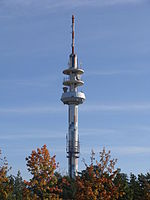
x,y
72,97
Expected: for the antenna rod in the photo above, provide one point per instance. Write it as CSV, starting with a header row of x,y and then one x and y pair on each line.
x,y
72,34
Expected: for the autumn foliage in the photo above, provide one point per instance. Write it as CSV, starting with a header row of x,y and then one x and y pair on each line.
x,y
5,184
43,184
99,181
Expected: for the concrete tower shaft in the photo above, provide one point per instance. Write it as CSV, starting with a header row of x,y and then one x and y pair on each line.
x,y
72,97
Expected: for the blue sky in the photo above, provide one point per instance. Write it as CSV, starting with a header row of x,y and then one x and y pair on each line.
x,y
113,46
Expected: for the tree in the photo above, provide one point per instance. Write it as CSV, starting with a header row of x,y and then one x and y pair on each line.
x,y
18,187
43,184
135,187
5,183
123,181
97,181
68,186
143,190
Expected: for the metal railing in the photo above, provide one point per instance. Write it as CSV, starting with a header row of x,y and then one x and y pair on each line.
x,y
73,147
65,79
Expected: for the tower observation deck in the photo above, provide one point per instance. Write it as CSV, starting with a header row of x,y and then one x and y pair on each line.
x,y
72,97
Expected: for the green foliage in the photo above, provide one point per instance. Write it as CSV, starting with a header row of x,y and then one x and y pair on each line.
x,y
143,189
123,181
69,187
135,188
17,187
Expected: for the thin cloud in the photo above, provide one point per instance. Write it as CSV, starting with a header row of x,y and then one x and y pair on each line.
x,y
38,82
43,135
79,3
55,109
26,150
144,128
116,72
134,107
33,110
57,3
10,9
52,6
131,150
97,131
123,150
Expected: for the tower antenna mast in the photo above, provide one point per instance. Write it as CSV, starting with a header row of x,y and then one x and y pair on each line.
x,y
72,97
72,34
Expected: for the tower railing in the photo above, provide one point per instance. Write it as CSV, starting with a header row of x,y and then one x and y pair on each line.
x,y
73,148
69,79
